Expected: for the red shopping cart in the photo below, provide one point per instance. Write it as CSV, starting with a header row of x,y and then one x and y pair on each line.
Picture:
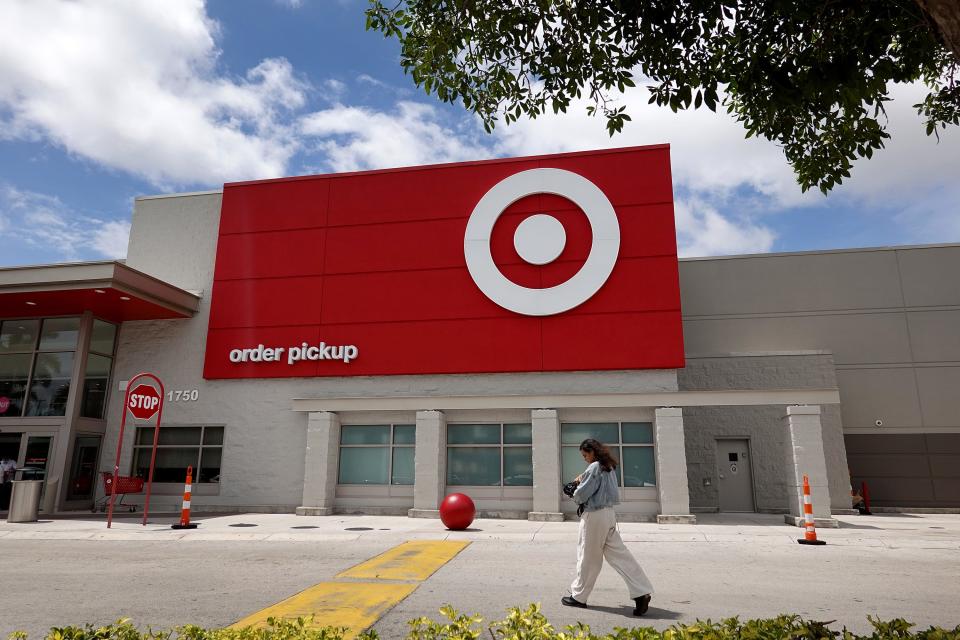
x,y
125,485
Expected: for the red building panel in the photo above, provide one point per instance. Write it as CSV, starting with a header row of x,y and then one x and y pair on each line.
x,y
374,262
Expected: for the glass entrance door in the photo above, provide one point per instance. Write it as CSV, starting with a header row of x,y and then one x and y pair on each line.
x,y
9,457
35,460
36,457
83,467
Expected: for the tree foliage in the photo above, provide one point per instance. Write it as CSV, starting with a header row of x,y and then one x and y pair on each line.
x,y
811,76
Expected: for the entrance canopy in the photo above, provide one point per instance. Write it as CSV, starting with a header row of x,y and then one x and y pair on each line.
x,y
110,290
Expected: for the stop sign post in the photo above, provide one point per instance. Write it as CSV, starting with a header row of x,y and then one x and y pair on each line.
x,y
143,401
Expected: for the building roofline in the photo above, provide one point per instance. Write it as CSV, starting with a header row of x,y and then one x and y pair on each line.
x,y
112,274
946,245
185,194
467,163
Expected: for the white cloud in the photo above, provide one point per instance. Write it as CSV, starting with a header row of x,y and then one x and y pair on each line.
x,y
363,78
712,166
46,223
703,231
354,138
708,151
111,238
914,180
133,85
911,162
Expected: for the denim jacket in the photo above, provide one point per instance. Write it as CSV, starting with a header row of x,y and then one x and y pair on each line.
x,y
597,488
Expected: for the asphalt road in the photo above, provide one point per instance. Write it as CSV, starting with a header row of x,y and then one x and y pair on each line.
x,y
163,584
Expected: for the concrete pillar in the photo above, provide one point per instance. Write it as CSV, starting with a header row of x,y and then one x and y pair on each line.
x,y
320,464
546,466
671,467
430,464
804,455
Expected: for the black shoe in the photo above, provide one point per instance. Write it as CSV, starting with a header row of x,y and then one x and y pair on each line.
x,y
570,602
643,603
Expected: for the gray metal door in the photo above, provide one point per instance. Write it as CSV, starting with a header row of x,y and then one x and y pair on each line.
x,y
734,480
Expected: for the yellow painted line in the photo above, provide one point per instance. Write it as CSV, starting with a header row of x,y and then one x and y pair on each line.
x,y
414,560
356,605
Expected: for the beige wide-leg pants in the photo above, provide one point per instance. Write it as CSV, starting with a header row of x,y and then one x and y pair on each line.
x,y
600,539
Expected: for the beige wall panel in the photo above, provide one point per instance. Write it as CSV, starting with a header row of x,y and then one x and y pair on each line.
x,y
904,466
922,272
874,338
886,394
943,443
947,490
766,284
935,335
175,239
902,443
945,466
939,392
901,491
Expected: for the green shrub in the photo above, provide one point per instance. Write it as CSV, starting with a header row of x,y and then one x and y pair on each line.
x,y
520,624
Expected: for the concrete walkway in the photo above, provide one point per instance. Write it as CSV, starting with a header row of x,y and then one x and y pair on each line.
x,y
234,566
918,531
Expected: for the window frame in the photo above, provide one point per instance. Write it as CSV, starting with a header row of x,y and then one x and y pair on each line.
x,y
34,352
620,444
199,448
390,446
501,445
112,357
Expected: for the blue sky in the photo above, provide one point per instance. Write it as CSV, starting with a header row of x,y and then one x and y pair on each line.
x,y
101,101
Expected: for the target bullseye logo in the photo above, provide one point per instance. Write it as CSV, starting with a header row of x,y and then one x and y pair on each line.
x,y
540,239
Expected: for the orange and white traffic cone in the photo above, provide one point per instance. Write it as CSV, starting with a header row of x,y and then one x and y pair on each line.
x,y
185,510
810,535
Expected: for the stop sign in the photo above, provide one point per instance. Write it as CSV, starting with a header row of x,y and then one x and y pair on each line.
x,y
144,401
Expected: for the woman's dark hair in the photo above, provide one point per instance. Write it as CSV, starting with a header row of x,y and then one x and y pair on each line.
x,y
600,453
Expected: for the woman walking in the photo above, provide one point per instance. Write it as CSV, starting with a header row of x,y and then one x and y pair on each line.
x,y
599,538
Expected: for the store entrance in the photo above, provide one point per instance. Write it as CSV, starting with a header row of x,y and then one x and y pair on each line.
x,y
23,456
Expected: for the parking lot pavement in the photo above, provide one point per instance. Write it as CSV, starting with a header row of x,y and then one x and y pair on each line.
x,y
75,570
883,530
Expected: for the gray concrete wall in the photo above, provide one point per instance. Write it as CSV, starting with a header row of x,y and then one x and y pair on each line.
x,y
891,318
761,425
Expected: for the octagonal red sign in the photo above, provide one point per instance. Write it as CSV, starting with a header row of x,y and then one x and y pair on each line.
x,y
144,401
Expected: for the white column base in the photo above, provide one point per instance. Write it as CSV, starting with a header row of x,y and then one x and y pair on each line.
x,y
819,523
545,516
424,513
688,518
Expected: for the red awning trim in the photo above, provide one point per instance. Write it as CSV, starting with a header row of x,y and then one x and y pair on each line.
x,y
110,290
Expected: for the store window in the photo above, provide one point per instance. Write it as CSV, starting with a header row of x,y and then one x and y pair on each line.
x,y
489,455
36,365
178,448
630,442
377,454
18,340
96,378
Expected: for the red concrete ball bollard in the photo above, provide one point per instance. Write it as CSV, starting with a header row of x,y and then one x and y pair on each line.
x,y
457,511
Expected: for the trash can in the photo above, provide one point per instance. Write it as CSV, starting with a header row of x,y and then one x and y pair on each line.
x,y
25,501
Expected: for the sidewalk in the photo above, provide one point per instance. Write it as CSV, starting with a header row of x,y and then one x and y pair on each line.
x,y
916,531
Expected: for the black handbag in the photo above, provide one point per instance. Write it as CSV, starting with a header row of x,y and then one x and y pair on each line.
x,y
568,490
